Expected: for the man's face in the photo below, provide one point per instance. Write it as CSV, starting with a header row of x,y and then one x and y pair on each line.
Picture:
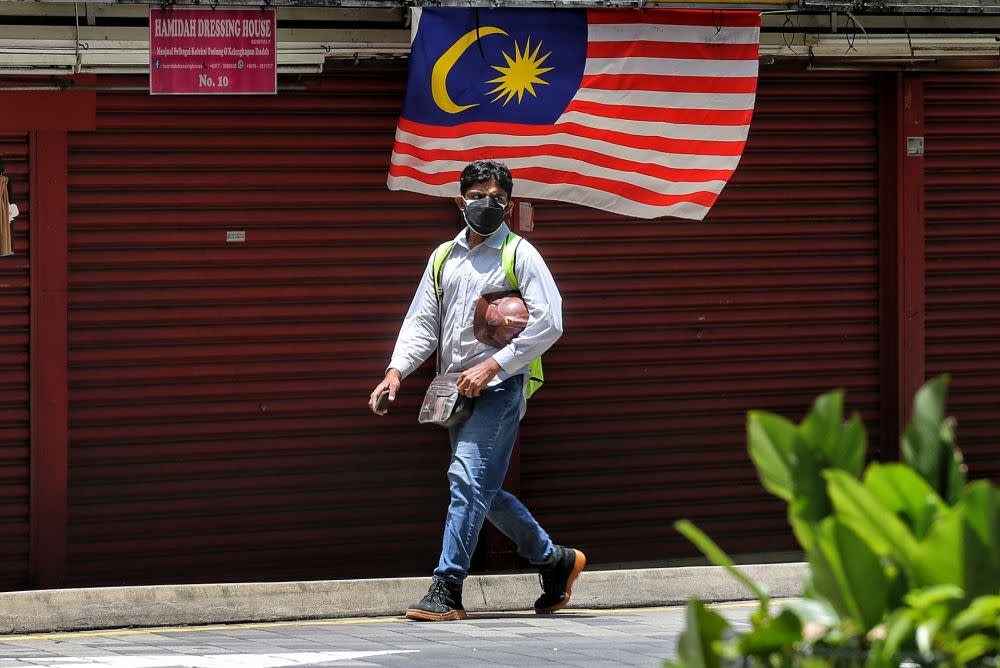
x,y
485,189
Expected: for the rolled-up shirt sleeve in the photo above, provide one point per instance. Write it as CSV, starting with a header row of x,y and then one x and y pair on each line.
x,y
418,337
541,296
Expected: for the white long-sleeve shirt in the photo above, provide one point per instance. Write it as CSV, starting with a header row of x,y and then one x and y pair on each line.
x,y
468,274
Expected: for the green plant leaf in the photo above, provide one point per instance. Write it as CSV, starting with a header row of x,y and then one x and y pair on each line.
x,y
899,634
853,447
941,557
720,558
770,439
814,610
928,412
811,503
929,444
899,585
926,598
821,427
810,662
848,574
982,498
878,526
776,635
901,490
973,647
825,578
953,462
699,643
925,633
982,613
981,540
803,529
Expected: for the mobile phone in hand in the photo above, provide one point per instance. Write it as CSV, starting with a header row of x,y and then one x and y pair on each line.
x,y
382,405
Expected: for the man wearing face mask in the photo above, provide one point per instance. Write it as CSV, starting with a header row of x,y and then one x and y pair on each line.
x,y
481,446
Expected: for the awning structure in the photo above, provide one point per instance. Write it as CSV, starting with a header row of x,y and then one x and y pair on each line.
x,y
910,6
59,38
903,6
108,38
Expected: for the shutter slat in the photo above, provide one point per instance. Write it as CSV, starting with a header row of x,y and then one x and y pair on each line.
x,y
14,391
961,201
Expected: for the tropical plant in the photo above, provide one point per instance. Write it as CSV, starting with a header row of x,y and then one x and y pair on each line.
x,y
903,558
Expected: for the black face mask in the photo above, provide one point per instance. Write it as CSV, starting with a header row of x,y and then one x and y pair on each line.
x,y
484,216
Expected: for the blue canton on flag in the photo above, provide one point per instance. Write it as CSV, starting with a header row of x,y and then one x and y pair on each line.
x,y
527,72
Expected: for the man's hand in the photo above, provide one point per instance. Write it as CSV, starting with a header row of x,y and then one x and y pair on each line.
x,y
391,383
472,381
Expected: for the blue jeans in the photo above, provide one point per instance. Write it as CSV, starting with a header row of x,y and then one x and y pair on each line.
x,y
480,454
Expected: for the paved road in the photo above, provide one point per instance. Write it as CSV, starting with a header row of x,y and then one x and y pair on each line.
x,y
593,638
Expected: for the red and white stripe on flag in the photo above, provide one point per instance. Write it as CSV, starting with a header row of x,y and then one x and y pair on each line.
x,y
656,127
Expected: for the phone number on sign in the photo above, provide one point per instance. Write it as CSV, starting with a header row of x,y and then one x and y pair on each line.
x,y
241,65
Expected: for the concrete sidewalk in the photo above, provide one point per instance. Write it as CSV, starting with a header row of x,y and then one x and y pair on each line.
x,y
176,605
617,638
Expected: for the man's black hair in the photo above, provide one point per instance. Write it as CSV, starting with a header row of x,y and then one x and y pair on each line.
x,y
487,170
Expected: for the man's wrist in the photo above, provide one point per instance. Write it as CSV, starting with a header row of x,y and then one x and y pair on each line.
x,y
391,371
503,358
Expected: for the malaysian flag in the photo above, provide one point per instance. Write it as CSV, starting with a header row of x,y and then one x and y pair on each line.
x,y
642,113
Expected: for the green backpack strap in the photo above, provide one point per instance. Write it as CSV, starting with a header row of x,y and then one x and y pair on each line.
x,y
536,377
508,254
440,255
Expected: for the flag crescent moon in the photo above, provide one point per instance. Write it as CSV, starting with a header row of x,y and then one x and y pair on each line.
x,y
439,75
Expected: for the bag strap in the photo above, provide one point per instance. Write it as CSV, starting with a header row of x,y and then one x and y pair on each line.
x,y
437,267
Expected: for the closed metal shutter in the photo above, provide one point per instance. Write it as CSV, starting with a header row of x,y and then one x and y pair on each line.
x,y
15,316
218,419
962,211
219,427
675,329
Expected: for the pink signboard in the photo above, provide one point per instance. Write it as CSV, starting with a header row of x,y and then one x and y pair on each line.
x,y
212,51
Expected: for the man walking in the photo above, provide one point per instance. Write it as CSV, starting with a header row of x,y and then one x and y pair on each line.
x,y
481,446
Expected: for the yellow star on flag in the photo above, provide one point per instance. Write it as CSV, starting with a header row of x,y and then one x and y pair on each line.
x,y
521,74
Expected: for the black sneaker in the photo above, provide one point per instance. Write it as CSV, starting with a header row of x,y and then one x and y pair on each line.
x,y
557,579
443,602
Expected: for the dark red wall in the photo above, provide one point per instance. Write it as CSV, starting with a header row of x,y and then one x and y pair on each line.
x,y
204,418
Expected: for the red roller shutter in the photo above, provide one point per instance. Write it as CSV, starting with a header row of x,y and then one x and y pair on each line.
x,y
962,169
14,328
675,329
218,390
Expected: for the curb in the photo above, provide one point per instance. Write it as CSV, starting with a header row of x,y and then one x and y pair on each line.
x,y
182,605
